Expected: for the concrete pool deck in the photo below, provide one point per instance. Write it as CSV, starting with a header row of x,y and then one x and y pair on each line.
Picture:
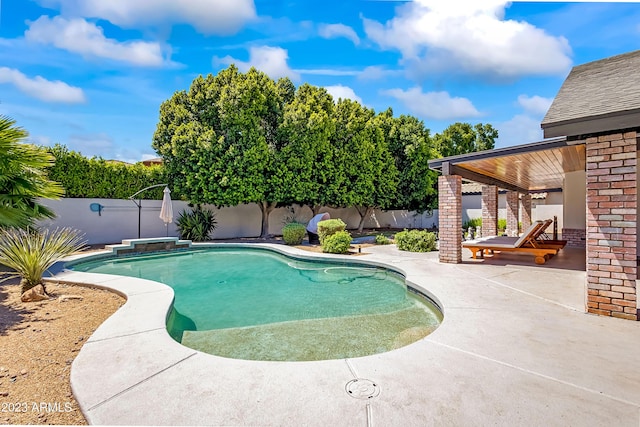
x,y
515,348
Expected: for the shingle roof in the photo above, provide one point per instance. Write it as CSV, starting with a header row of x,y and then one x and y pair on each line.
x,y
596,90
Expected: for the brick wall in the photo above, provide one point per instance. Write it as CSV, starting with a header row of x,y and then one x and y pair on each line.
x,y
512,213
489,210
450,211
575,237
526,210
612,225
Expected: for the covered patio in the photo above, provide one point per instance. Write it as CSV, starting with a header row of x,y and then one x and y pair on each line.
x,y
594,126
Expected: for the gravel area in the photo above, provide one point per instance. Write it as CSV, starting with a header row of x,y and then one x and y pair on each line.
x,y
39,341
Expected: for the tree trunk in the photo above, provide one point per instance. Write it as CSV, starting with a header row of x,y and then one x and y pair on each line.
x,y
364,212
266,208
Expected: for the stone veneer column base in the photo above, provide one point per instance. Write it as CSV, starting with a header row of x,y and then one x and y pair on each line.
x,y
450,212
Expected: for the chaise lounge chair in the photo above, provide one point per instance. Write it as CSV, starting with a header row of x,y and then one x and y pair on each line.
x,y
529,242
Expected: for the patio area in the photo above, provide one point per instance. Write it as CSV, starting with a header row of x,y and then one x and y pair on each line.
x,y
515,348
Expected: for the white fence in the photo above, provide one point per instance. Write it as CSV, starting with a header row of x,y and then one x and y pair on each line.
x,y
118,219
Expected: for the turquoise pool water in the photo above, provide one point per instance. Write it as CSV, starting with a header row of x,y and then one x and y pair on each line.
x,y
257,304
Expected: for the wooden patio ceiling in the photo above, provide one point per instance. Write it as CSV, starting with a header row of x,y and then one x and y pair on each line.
x,y
527,168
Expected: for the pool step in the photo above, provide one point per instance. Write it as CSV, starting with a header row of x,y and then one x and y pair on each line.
x,y
317,339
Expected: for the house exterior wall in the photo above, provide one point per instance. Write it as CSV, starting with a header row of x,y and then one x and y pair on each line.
x,y
574,219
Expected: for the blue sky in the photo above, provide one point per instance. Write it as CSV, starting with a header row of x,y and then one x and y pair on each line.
x,y
91,74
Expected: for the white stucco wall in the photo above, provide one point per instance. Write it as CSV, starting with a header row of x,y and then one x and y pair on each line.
x,y
119,219
574,194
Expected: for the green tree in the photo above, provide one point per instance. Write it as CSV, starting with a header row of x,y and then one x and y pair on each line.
x,y
411,147
218,141
23,178
367,177
462,138
305,166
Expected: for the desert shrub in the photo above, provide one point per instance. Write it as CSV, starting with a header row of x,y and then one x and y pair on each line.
x,y
196,225
416,240
337,243
31,253
330,226
293,233
381,239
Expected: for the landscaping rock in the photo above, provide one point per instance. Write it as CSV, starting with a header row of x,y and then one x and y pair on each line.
x,y
34,294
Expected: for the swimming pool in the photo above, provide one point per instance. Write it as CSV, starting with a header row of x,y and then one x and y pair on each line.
x,y
257,304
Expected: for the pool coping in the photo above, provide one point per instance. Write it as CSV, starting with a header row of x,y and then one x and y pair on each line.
x,y
129,367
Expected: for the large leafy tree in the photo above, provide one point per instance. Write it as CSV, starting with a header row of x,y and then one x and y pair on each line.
x,y
462,138
306,168
367,177
23,178
219,139
411,147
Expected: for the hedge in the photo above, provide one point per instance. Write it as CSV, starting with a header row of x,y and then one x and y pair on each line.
x,y
98,178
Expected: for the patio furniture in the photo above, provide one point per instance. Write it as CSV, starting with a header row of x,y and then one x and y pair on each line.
x,y
527,243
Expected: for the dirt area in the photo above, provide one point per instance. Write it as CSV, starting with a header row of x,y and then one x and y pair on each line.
x,y
39,341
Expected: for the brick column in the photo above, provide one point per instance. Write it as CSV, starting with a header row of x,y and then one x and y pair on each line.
x,y
489,210
512,213
611,225
526,210
450,211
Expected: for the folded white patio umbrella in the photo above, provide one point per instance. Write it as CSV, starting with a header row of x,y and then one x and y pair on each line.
x,y
166,212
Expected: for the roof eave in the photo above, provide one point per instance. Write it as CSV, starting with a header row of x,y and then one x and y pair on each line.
x,y
593,125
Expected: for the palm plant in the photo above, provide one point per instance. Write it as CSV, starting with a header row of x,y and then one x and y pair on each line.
x,y
23,178
30,253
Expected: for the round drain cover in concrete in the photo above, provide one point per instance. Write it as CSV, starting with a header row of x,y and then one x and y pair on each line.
x,y
361,388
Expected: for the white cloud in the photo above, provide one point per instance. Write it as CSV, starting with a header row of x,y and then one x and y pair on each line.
x,y
41,88
376,72
85,38
327,72
331,31
434,105
220,17
520,129
270,60
536,105
471,37
344,92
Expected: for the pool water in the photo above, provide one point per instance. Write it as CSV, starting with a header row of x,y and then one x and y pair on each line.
x,y
260,305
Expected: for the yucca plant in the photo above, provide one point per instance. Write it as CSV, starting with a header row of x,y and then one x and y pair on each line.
x,y
31,253
196,225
